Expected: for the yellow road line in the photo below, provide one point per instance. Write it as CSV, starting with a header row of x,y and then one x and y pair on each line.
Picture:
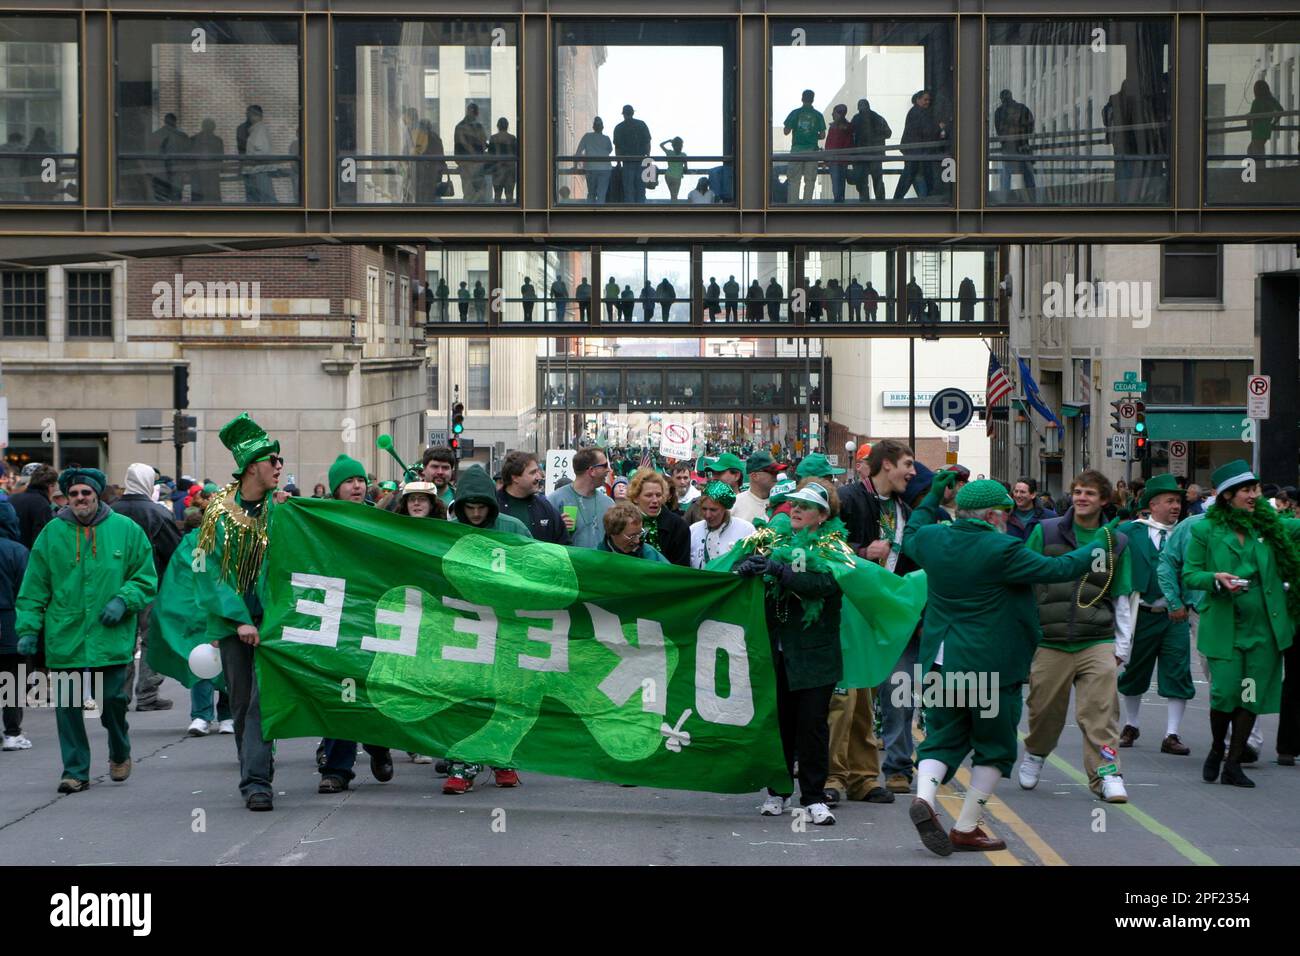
x,y
952,803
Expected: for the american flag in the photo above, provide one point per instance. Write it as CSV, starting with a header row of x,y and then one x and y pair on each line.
x,y
647,458
998,388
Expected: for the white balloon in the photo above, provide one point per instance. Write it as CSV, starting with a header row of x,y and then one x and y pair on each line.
x,y
205,661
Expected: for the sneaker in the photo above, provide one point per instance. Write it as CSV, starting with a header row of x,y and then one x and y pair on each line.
x,y
17,743
118,772
198,727
259,801
504,777
329,783
820,814
1112,789
461,778
773,806
1031,768
226,727
899,783
419,758
160,703
89,704
73,785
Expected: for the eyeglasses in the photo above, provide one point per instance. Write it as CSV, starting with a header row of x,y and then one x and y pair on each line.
x,y
602,464
632,536
276,461
81,494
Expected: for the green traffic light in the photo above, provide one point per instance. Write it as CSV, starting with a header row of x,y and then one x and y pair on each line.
x,y
457,428
1140,426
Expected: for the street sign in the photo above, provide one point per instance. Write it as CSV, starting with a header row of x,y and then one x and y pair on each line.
x,y
1128,412
1118,447
559,464
951,409
833,460
438,438
1139,387
675,440
1259,395
149,426
1178,458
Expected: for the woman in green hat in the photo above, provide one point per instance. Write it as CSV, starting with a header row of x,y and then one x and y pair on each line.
x,y
1244,557
803,622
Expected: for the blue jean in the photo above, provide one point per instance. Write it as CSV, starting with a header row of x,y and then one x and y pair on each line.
x,y
839,175
1009,166
259,187
896,722
598,184
633,187
201,695
341,757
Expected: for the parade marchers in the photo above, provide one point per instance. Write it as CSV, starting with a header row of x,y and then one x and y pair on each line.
x,y
1084,604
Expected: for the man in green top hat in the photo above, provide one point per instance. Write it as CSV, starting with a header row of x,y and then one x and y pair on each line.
x,y
764,472
1161,633
981,624
91,570
228,586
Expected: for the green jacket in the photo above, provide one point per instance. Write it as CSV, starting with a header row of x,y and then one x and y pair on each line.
x,y
73,572
813,657
475,487
1144,560
1214,548
982,607
1170,572
226,608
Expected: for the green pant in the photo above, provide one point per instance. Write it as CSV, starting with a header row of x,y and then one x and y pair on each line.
x,y
70,717
1159,637
953,732
1250,678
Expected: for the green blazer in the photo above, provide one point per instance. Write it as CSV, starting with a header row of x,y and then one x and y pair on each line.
x,y
1214,548
1144,559
981,606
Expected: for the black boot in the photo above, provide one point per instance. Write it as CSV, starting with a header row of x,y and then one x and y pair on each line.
x,y
1213,761
1233,774
1220,720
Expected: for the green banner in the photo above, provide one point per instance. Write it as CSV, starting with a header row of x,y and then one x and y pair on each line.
x,y
441,639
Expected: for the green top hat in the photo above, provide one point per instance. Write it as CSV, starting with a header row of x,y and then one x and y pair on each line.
x,y
724,462
816,465
983,494
247,442
1234,473
1159,485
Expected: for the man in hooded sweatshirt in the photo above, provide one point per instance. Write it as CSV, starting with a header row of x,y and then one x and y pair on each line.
x,y
476,505
13,564
156,522
91,571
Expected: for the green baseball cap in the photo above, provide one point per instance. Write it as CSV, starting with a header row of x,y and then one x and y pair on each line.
x,y
816,465
761,461
724,462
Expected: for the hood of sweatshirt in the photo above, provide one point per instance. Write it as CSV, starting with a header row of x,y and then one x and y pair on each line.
x,y
139,480
475,486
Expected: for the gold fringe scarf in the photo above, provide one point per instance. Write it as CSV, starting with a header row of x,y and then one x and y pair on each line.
x,y
243,538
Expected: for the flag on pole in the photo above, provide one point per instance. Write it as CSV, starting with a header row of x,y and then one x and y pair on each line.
x,y
1033,398
998,388
647,457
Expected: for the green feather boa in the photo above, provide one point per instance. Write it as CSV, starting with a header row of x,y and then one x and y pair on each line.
x,y
808,549
1264,523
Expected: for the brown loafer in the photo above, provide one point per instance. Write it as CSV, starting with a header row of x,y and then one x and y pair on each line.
x,y
928,828
73,785
1128,735
976,839
118,772
1172,745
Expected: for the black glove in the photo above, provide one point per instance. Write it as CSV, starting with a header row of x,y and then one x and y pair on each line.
x,y
780,572
753,565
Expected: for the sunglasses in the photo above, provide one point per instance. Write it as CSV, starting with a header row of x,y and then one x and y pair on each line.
x,y
81,494
275,460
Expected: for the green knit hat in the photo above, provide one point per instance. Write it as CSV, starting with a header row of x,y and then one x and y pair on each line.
x,y
1234,473
247,442
721,492
83,476
343,469
1159,485
983,494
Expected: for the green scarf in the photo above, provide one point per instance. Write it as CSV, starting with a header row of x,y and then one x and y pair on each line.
x,y
1264,523
814,548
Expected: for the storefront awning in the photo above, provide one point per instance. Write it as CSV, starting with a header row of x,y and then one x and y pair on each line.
x,y
1196,426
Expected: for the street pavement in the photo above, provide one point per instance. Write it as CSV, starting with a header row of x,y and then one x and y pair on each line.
x,y
182,806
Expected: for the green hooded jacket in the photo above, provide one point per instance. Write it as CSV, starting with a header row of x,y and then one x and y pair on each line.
x,y
477,488
73,572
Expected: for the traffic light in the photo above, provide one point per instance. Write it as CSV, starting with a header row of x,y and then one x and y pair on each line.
x,y
1139,447
1116,422
180,386
457,419
1140,419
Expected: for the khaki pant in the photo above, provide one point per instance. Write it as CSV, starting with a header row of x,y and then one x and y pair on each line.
x,y
1092,672
854,747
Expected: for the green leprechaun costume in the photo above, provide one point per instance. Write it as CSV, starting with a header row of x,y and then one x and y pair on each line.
x,y
1245,558
980,631
1161,634
90,572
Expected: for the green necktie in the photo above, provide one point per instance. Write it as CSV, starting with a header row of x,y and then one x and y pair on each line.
x,y
1160,544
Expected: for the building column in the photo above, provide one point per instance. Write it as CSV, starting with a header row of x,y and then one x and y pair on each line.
x,y
56,309
1277,345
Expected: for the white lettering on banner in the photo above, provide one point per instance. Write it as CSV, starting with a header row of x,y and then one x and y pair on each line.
x,y
557,636
485,649
330,611
737,709
647,659
407,622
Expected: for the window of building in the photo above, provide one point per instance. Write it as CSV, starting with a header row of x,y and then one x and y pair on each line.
x,y
1252,111
893,79
685,389
372,303
645,387
1039,152
1191,272
404,297
90,305
601,389
208,111
753,285
679,79
480,375
390,298
845,284
726,388
22,304
551,284
40,116
654,285
431,353
458,280
1196,381
420,102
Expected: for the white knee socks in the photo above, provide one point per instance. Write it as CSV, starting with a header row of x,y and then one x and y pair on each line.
x,y
1132,704
982,782
1175,718
929,774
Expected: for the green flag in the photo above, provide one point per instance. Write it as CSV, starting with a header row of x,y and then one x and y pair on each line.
x,y
178,623
435,637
